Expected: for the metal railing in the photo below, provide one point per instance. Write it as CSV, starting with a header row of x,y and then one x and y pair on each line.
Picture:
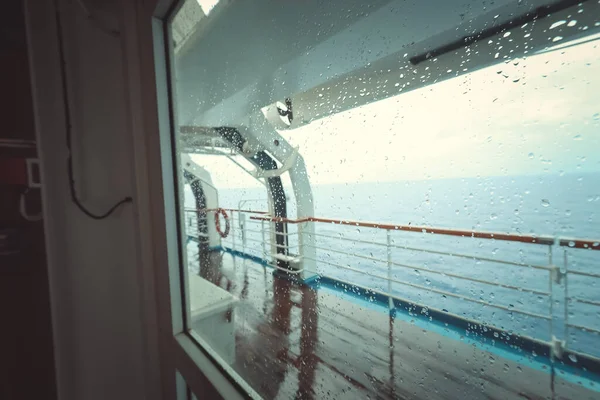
x,y
554,287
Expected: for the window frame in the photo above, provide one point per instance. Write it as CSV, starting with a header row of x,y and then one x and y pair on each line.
x,y
182,350
187,353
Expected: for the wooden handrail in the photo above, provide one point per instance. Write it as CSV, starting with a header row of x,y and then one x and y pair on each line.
x,y
533,239
510,237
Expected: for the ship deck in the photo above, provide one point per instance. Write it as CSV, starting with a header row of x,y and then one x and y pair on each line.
x,y
306,341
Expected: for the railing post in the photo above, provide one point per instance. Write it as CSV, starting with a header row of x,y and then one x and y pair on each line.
x,y
264,243
551,295
309,251
233,230
389,265
299,232
556,275
566,305
242,218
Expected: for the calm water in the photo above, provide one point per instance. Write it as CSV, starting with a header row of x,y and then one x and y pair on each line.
x,y
566,205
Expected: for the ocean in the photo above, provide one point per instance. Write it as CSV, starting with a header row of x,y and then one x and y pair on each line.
x,y
566,206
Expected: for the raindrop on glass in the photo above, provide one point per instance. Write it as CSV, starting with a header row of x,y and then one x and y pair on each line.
x,y
573,358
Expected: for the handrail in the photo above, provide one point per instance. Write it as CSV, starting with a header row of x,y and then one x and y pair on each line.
x,y
580,243
226,209
532,239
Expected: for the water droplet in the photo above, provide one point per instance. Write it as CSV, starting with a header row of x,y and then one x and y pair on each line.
x,y
545,203
573,358
577,137
596,117
506,34
557,24
530,155
557,39
572,23
493,217
568,213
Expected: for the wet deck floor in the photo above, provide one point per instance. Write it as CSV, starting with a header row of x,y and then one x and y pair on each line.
x,y
298,342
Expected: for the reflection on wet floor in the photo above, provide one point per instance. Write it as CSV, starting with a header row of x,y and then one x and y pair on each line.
x,y
294,341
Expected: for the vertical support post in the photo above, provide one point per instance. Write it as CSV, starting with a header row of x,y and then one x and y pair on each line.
x,y
566,305
556,275
243,229
300,232
389,265
233,231
553,341
550,280
264,243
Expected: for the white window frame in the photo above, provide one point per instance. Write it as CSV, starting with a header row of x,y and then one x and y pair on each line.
x,y
189,355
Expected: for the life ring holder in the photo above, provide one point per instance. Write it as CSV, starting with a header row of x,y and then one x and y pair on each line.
x,y
222,212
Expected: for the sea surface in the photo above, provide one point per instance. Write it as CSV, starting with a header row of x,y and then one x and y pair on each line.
x,y
448,272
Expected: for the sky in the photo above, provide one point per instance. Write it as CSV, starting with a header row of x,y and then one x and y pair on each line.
x,y
528,116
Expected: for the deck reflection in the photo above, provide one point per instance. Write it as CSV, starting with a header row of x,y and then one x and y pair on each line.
x,y
293,341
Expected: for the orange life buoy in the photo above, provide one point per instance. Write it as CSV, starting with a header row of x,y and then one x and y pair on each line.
x,y
221,233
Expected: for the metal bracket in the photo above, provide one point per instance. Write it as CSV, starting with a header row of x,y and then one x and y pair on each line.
x,y
287,165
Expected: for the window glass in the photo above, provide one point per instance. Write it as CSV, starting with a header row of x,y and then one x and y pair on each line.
x,y
379,201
